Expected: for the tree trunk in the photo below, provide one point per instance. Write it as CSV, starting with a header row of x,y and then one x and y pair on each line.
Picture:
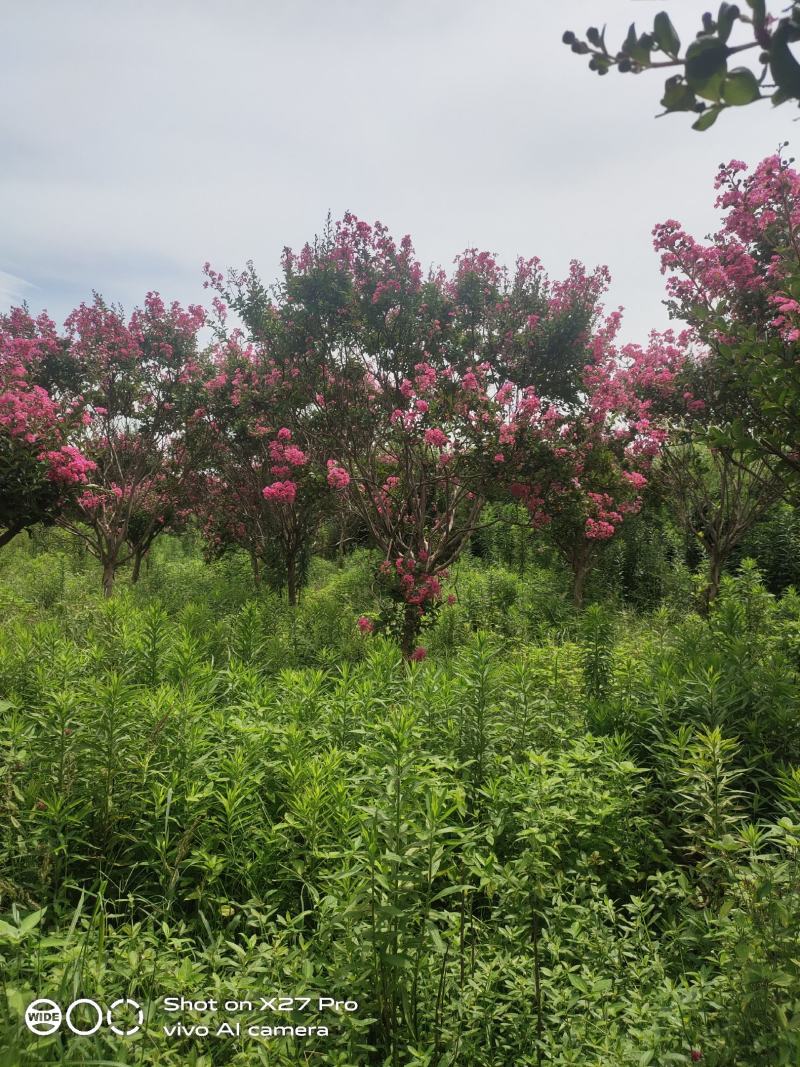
x,y
709,595
9,534
138,556
411,625
580,570
256,567
291,581
109,574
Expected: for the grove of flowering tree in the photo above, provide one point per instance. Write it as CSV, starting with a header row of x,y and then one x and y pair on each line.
x,y
397,387
362,390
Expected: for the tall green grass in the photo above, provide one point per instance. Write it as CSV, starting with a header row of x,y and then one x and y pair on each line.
x,y
558,840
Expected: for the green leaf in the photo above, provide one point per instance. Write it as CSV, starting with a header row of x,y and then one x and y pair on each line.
x,y
707,119
783,66
634,47
9,931
677,95
725,20
706,66
666,35
31,921
740,87
742,950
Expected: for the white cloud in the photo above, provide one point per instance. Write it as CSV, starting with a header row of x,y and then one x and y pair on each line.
x,y
147,137
13,290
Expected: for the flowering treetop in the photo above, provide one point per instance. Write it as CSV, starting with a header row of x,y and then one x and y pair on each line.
x,y
740,292
132,373
39,464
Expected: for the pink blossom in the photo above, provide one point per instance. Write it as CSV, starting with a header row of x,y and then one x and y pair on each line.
x,y
67,466
280,492
338,478
637,480
436,438
599,531
295,456
425,377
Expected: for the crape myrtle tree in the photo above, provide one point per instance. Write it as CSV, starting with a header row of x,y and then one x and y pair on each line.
x,y
261,484
717,490
133,374
416,469
740,293
715,498
706,76
359,330
408,408
531,330
580,468
404,380
40,420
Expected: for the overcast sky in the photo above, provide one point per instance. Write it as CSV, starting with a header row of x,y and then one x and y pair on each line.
x,y
141,138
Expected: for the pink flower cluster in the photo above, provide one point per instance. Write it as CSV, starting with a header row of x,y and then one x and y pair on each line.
x,y
280,492
744,264
28,413
67,466
608,515
787,318
436,438
284,454
599,529
338,478
417,585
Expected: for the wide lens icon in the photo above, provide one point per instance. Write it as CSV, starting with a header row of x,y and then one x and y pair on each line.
x,y
43,1017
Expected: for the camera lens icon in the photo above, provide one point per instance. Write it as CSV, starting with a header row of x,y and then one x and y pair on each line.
x,y
43,1017
139,1017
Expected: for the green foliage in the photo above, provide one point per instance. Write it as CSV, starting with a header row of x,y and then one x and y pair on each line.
x,y
704,82
775,544
560,839
596,653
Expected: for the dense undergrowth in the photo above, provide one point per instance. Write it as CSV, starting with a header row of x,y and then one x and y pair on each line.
x,y
562,838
